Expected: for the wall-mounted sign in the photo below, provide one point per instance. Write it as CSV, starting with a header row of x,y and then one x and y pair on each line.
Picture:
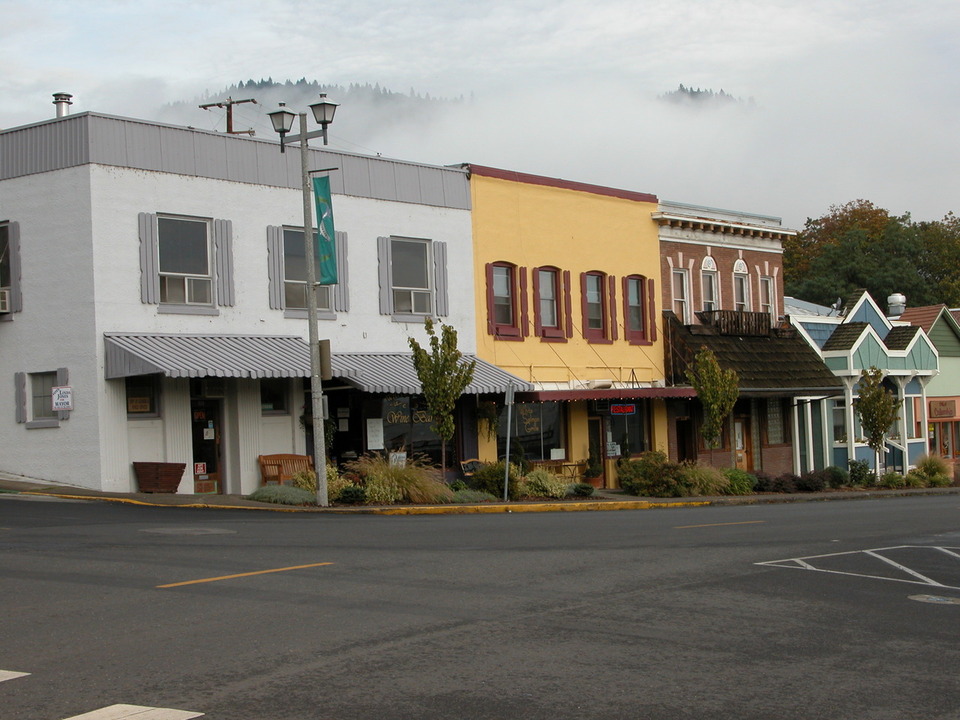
x,y
623,408
199,468
943,408
62,398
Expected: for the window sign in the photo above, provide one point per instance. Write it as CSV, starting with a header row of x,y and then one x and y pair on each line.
x,y
62,397
623,409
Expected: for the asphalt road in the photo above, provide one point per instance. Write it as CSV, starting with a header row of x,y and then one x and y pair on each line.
x,y
637,614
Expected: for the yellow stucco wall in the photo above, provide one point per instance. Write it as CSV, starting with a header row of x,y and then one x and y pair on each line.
x,y
534,225
531,225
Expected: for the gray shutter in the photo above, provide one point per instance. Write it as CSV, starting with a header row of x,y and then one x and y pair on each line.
x,y
20,405
386,287
149,272
275,266
341,291
63,378
223,251
13,248
440,277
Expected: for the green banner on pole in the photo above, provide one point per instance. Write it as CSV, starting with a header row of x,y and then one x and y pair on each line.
x,y
326,247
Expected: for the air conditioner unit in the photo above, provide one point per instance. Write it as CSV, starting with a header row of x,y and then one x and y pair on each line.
x,y
4,301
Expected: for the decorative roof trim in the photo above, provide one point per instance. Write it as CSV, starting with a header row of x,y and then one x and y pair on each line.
x,y
720,227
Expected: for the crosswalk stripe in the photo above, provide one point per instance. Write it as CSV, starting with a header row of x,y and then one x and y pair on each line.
x,y
11,675
136,712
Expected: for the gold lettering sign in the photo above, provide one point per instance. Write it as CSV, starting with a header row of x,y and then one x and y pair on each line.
x,y
943,408
529,418
138,405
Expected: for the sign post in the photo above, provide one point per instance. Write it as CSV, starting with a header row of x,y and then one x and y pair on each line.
x,y
506,463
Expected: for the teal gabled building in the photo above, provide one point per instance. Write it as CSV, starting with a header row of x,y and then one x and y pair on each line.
x,y
851,337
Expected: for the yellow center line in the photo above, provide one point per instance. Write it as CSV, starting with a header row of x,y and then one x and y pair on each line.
x,y
240,575
748,522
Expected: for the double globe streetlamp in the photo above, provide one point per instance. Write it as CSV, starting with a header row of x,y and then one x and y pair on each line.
x,y
282,119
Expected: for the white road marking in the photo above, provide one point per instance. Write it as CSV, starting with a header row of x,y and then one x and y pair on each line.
x,y
11,675
807,563
136,712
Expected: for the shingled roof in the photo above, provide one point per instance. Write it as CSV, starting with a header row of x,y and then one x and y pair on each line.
x,y
845,336
922,316
899,337
780,362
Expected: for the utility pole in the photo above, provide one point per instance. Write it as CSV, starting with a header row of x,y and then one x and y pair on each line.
x,y
228,104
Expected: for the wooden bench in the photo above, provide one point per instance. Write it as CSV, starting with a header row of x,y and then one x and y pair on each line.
x,y
280,469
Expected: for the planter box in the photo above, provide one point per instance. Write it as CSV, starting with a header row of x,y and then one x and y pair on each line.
x,y
158,477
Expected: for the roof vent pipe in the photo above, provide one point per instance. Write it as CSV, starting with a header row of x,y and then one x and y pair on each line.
x,y
897,303
63,102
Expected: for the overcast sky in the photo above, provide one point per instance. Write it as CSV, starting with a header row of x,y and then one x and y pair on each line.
x,y
850,98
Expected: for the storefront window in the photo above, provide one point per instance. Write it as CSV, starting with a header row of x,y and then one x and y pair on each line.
x,y
536,429
629,429
407,428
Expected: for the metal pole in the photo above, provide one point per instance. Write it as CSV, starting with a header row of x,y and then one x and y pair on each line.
x,y
316,390
506,472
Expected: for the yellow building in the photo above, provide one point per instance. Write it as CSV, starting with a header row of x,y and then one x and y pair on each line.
x,y
567,280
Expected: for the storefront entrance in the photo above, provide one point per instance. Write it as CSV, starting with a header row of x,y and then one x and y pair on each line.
x,y
207,431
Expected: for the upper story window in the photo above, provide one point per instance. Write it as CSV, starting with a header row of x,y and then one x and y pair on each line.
x,y
186,264
767,296
598,306
295,274
413,278
506,301
708,282
551,290
186,276
741,286
681,295
287,273
637,309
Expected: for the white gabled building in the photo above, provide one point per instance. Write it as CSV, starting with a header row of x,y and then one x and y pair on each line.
x,y
158,272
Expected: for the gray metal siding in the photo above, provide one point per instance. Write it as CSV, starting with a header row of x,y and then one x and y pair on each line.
x,y
122,142
394,373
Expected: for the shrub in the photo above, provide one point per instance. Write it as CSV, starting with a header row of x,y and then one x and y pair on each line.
x,y
786,483
489,478
581,489
892,480
307,480
930,465
651,474
458,485
860,473
694,479
836,476
382,490
812,481
416,481
764,482
939,481
741,482
540,483
472,496
283,495
353,495
915,479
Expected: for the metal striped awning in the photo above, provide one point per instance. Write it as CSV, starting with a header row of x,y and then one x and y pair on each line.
x,y
276,356
394,374
234,356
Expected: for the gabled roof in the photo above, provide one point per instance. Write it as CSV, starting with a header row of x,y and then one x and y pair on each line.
x,y
845,336
923,317
899,338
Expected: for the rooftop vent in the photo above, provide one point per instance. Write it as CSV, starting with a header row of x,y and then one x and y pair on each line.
x,y
897,303
63,102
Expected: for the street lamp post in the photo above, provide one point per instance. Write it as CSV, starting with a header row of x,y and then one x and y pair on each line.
x,y
282,120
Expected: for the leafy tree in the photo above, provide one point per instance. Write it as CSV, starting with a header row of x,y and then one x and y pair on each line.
x,y
443,376
878,410
717,389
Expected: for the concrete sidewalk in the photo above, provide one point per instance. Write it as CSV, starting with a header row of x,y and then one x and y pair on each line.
x,y
601,500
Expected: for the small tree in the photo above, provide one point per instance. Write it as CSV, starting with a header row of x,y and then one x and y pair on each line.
x,y
717,389
878,410
443,376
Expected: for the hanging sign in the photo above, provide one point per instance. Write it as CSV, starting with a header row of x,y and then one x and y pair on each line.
x,y
623,409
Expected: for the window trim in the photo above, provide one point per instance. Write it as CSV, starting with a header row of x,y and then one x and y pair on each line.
x,y
437,262
517,282
323,313
13,255
157,394
769,282
603,333
647,333
23,405
684,275
562,302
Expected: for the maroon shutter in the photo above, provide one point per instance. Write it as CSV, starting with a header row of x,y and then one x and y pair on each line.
x,y
568,303
612,283
652,301
584,319
491,329
537,323
524,312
